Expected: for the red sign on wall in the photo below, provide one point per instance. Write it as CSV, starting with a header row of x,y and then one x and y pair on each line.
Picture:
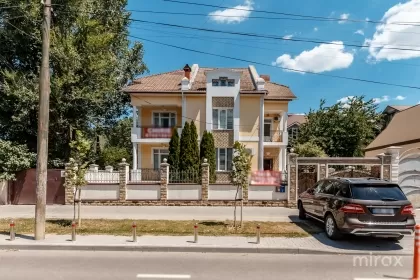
x,y
266,178
157,132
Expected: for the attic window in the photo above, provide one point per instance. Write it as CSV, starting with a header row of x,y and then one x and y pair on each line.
x,y
223,82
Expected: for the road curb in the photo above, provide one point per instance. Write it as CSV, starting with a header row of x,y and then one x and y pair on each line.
x,y
191,249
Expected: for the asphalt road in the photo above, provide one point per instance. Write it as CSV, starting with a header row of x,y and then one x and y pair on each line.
x,y
66,265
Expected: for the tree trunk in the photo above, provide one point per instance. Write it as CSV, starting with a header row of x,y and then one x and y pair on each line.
x,y
79,204
234,211
242,206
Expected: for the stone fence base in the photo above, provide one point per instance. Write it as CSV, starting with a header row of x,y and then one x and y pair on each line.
x,y
213,203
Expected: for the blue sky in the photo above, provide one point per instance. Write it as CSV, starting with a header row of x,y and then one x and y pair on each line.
x,y
339,59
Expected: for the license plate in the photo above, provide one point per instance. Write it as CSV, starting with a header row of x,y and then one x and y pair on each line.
x,y
383,211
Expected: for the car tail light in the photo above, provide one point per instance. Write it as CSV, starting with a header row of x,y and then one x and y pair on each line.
x,y
408,210
352,208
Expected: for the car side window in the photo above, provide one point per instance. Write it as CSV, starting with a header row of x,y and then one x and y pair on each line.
x,y
330,188
319,186
344,190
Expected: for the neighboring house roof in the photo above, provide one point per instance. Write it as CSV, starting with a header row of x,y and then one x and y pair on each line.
x,y
295,119
396,108
170,82
403,129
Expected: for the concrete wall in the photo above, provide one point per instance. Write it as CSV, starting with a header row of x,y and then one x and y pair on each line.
x,y
142,192
265,193
184,192
223,192
276,106
196,110
100,192
250,115
3,192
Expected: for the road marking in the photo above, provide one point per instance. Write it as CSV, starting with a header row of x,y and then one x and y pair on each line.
x,y
163,276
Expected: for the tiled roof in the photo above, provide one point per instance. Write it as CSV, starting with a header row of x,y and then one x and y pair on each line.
x,y
171,82
296,118
402,128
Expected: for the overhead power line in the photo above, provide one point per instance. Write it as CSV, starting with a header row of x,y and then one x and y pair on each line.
x,y
274,37
278,67
295,15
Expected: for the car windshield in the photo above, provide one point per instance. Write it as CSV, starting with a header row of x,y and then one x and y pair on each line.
x,y
387,192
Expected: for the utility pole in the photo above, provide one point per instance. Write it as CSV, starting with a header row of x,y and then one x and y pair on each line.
x,y
43,123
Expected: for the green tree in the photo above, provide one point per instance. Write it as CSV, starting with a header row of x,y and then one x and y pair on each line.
x,y
174,150
186,161
79,161
14,158
195,150
242,163
309,149
207,150
344,129
112,156
91,60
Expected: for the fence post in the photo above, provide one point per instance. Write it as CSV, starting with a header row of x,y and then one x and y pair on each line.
x,y
394,154
123,179
205,180
164,179
68,183
292,178
322,171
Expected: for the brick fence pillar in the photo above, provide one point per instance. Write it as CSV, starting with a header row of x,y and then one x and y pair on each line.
x,y
386,167
292,178
205,180
123,170
69,188
394,153
323,171
164,179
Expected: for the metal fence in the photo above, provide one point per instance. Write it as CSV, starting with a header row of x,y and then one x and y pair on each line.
x,y
102,176
145,175
223,177
184,176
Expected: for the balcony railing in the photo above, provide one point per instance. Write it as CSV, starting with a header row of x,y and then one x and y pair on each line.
x,y
156,132
273,136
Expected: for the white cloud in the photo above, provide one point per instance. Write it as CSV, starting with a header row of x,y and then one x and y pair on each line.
x,y
322,58
367,19
360,32
236,15
344,18
378,100
315,29
396,36
400,97
345,101
287,37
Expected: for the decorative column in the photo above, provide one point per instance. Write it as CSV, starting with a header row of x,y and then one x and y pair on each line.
x,y
322,171
292,178
123,170
394,152
205,180
135,116
285,133
134,156
164,179
386,167
183,109
261,136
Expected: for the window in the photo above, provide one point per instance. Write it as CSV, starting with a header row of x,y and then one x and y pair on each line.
x,y
389,192
344,191
223,118
223,82
224,159
331,188
164,119
215,82
293,132
319,187
231,83
267,130
158,156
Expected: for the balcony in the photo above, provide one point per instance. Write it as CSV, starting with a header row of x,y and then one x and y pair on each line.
x,y
273,136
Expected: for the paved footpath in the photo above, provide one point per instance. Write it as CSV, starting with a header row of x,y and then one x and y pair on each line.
x,y
316,244
273,214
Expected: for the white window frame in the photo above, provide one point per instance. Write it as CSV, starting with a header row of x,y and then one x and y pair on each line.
x,y
218,118
226,159
159,153
162,112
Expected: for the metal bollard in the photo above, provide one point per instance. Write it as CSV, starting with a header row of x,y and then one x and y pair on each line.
x,y
73,231
416,258
258,234
134,227
12,230
195,233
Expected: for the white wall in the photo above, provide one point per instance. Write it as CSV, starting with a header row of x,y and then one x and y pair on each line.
x,y
223,192
184,192
3,192
100,192
142,192
265,193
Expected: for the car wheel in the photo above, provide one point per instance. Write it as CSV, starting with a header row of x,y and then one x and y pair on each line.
x,y
331,228
302,212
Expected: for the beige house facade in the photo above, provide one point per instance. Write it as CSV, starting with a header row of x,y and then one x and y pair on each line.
x,y
235,104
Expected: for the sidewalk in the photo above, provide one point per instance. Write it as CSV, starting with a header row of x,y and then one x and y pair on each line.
x,y
264,214
317,244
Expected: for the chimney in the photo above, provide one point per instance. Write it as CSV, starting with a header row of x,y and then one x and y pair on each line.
x,y
187,71
265,77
